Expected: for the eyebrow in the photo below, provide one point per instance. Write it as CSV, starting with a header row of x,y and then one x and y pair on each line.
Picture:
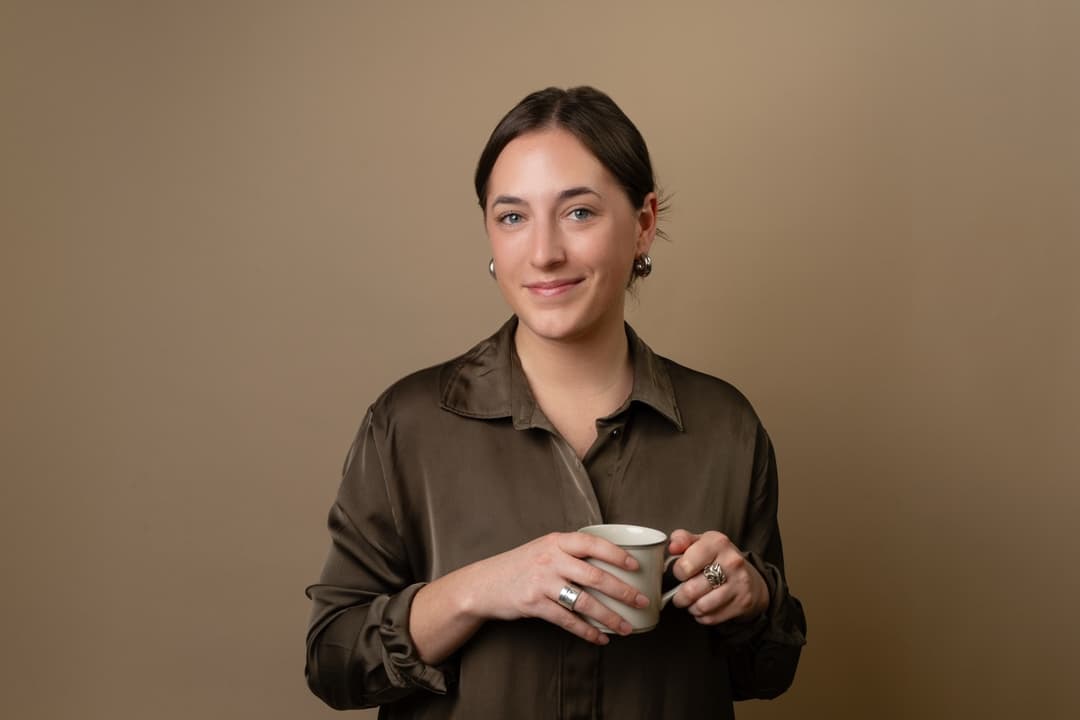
x,y
564,195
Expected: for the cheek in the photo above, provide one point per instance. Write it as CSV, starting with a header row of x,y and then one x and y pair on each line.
x,y
508,256
501,249
620,253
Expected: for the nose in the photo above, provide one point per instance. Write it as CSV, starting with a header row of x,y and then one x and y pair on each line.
x,y
547,246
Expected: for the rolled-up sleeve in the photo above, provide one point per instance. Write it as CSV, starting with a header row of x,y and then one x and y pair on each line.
x,y
359,650
763,655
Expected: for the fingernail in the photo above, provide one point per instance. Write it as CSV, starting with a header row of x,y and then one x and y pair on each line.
x,y
641,601
625,628
631,563
603,639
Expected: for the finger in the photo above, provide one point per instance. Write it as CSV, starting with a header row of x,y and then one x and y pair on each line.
x,y
558,615
680,540
724,603
708,597
589,575
747,589
723,606
705,550
581,545
589,606
693,590
735,598
697,587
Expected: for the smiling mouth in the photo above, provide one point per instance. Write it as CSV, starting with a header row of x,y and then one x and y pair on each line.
x,y
553,287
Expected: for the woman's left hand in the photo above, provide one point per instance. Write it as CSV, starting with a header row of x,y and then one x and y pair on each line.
x,y
743,594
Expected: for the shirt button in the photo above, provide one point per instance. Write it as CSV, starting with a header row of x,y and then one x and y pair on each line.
x,y
615,432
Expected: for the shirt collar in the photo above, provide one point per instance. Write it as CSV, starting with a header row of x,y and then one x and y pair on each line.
x,y
488,383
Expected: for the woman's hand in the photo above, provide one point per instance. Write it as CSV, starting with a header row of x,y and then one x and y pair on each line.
x,y
743,595
520,583
525,582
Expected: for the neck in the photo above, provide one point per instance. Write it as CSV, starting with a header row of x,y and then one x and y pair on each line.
x,y
587,367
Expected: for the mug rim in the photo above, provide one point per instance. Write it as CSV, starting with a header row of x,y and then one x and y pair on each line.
x,y
663,536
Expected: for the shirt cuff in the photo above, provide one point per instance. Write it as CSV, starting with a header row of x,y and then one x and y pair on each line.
x,y
401,660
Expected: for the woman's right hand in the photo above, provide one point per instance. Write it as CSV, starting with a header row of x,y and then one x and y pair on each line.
x,y
525,582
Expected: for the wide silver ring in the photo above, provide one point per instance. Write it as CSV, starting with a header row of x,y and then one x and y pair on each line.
x,y
715,575
568,597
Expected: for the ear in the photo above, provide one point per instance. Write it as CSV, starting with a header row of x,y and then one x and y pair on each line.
x,y
646,225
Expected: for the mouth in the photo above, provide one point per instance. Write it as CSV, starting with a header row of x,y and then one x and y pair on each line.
x,y
551,288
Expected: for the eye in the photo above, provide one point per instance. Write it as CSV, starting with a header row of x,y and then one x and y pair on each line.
x,y
510,218
581,213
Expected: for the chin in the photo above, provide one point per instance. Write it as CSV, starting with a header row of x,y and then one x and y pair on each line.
x,y
555,326
548,329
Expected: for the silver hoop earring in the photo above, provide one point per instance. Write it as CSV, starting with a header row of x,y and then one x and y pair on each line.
x,y
642,265
491,267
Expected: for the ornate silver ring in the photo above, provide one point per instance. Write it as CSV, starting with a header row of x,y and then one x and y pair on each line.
x,y
715,575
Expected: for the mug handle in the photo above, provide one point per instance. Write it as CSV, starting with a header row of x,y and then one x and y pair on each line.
x,y
666,597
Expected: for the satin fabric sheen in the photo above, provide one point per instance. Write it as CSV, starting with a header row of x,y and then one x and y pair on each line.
x,y
457,462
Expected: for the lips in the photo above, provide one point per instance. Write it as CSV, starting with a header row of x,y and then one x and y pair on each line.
x,y
550,288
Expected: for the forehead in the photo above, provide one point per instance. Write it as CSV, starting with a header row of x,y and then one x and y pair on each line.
x,y
546,162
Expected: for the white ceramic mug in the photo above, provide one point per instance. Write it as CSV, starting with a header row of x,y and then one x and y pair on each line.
x,y
647,546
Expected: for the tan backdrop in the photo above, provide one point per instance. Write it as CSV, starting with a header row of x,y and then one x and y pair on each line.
x,y
226,227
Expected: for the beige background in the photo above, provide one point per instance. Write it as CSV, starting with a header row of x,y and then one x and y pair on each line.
x,y
227,227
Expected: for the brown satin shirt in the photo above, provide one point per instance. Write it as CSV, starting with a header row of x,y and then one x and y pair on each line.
x,y
456,463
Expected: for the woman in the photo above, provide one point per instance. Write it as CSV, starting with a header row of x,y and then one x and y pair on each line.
x,y
453,586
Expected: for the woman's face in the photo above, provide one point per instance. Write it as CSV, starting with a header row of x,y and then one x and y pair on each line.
x,y
563,235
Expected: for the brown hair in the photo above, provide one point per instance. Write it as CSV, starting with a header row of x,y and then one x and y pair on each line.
x,y
594,119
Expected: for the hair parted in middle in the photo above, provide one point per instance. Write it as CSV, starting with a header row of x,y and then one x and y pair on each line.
x,y
595,120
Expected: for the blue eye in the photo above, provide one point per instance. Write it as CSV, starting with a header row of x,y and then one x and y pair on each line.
x,y
510,218
581,213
